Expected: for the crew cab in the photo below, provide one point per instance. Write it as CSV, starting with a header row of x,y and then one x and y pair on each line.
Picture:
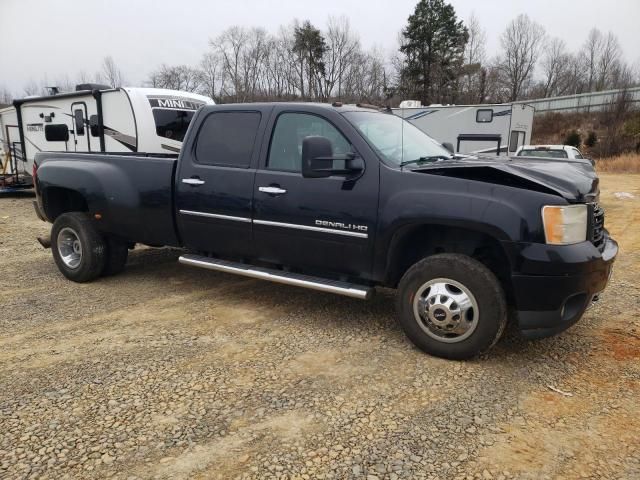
x,y
344,199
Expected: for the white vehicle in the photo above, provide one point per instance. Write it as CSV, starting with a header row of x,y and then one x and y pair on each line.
x,y
94,118
551,151
11,166
473,129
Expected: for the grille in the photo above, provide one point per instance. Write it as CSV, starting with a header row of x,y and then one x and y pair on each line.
x,y
597,226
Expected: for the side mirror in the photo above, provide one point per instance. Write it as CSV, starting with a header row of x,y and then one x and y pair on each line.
x,y
78,117
448,146
94,127
56,132
318,159
314,150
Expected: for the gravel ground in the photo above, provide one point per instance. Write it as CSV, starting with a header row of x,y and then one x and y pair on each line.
x,y
166,371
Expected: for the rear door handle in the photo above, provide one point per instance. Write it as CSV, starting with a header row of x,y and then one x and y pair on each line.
x,y
193,181
272,190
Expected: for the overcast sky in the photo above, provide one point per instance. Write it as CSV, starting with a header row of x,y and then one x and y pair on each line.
x,y
64,37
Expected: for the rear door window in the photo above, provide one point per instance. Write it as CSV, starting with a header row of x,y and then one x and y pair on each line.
x,y
227,139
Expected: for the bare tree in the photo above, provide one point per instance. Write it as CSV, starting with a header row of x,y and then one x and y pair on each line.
x,y
5,96
474,71
590,54
230,45
608,61
342,47
555,67
33,88
177,77
475,50
521,43
280,66
110,73
84,77
211,75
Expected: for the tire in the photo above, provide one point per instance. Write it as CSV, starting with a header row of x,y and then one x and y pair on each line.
x,y
78,248
116,258
437,289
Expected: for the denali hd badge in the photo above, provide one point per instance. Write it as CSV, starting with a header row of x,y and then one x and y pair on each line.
x,y
342,226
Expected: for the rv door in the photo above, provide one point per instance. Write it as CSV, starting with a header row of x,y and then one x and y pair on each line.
x,y
81,135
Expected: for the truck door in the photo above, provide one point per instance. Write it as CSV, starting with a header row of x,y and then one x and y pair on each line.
x,y
320,223
81,136
214,184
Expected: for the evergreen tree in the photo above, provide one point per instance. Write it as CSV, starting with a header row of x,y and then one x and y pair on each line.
x,y
433,45
309,46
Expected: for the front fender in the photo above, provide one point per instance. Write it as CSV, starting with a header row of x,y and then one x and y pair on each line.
x,y
410,199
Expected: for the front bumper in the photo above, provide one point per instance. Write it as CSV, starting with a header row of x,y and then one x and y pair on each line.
x,y
554,285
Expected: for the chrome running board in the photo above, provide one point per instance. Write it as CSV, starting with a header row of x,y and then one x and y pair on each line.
x,y
315,283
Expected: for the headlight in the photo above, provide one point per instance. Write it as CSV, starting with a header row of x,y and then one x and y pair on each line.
x,y
564,225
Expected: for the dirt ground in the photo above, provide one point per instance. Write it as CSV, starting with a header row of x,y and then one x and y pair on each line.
x,y
166,371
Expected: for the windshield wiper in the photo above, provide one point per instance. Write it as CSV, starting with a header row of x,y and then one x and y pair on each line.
x,y
430,158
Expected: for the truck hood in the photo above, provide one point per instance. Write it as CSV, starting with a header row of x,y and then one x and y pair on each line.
x,y
575,180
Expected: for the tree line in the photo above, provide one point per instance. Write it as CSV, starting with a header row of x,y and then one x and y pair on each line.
x,y
439,59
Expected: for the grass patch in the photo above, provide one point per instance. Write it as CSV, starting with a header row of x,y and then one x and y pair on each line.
x,y
625,163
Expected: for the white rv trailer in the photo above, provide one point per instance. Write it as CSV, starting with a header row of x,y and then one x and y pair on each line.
x,y
490,129
94,118
12,169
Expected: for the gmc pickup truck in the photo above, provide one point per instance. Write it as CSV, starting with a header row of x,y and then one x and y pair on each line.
x,y
343,199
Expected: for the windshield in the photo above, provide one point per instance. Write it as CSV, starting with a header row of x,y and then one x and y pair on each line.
x,y
543,153
172,124
396,140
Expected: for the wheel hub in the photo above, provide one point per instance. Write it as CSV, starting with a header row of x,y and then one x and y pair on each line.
x,y
446,310
69,247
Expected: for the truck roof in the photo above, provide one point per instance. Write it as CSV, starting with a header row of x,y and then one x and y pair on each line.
x,y
337,106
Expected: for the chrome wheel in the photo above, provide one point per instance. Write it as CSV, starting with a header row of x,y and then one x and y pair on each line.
x,y
446,310
69,247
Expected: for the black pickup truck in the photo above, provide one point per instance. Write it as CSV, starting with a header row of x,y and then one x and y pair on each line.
x,y
342,199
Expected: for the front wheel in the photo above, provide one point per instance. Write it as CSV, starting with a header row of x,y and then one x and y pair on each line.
x,y
451,306
78,248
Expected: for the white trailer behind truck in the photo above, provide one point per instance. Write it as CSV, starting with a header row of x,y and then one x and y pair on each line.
x,y
491,128
94,118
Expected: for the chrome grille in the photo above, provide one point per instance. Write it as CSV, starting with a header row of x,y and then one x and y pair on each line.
x,y
597,226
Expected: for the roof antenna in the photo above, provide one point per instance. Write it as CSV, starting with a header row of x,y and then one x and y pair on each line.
x,y
402,139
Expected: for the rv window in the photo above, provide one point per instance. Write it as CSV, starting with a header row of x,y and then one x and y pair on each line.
x,y
484,115
227,139
56,132
93,126
78,116
172,124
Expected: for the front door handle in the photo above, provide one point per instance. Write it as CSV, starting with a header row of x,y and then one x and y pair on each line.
x,y
193,181
272,190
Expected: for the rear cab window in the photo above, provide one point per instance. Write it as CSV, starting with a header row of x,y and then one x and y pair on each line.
x,y
545,153
227,138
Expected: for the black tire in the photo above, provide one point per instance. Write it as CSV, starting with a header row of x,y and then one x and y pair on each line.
x,y
478,280
116,258
93,248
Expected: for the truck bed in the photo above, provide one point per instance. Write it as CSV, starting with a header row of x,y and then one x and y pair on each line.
x,y
133,193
